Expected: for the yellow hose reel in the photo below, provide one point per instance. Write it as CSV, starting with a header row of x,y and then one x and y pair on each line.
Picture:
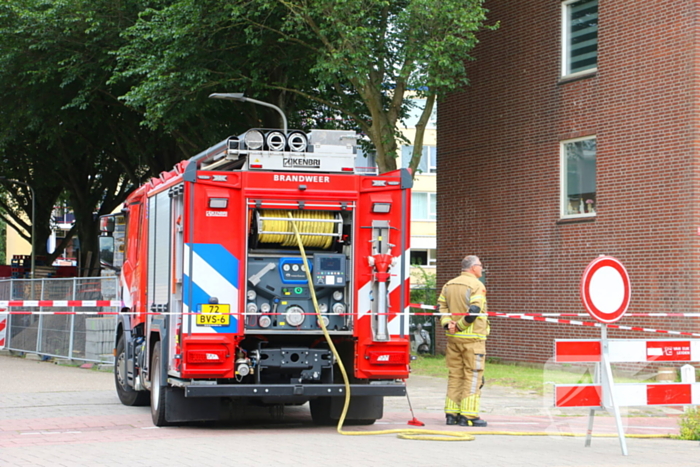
x,y
317,228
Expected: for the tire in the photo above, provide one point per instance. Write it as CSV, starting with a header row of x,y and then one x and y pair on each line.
x,y
126,393
157,391
360,422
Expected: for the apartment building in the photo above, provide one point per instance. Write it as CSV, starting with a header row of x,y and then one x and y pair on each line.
x,y
577,137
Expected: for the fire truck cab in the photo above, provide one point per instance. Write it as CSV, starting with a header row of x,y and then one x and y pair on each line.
x,y
217,306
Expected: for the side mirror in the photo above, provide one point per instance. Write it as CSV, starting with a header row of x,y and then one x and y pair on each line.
x,y
106,245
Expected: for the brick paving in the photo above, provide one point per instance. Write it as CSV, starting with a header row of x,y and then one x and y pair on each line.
x,y
44,422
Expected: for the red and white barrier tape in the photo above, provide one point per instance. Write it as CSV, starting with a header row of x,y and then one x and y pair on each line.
x,y
636,315
542,317
597,325
59,303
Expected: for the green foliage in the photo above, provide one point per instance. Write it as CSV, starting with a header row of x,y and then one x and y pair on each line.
x,y
424,293
370,53
178,52
3,242
690,424
63,129
99,94
425,290
347,63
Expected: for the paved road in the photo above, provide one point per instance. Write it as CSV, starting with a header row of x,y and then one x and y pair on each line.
x,y
52,415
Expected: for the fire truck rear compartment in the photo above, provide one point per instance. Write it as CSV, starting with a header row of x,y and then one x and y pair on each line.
x,y
278,296
219,283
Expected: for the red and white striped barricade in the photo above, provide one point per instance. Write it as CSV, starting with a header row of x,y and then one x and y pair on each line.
x,y
605,294
605,394
3,327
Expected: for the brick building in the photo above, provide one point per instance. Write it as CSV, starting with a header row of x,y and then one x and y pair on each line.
x,y
578,136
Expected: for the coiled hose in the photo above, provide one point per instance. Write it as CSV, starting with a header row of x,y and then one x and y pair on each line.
x,y
312,223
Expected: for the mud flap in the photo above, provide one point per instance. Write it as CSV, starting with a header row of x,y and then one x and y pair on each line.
x,y
179,408
361,408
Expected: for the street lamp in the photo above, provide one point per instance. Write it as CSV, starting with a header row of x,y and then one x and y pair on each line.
x,y
31,190
238,96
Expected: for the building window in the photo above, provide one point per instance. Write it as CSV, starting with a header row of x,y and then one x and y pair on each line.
x,y
428,161
423,207
415,110
579,36
578,158
423,258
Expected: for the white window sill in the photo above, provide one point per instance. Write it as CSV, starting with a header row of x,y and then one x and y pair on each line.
x,y
578,75
579,217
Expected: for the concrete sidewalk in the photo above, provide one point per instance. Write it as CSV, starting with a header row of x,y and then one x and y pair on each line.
x,y
57,415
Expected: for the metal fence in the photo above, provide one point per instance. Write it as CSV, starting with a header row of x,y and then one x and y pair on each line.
x,y
422,322
77,333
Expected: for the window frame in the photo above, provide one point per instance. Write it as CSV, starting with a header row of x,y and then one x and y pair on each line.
x,y
563,180
566,43
429,155
430,216
431,161
431,255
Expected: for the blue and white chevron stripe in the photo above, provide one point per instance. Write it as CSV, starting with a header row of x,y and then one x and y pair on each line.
x,y
210,270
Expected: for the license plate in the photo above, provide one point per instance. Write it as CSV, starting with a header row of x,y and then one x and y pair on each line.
x,y
214,315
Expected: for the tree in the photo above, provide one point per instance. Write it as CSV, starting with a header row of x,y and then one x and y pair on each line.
x,y
3,241
379,50
62,127
346,62
182,51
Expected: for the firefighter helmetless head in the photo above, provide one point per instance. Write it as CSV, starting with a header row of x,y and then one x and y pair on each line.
x,y
472,264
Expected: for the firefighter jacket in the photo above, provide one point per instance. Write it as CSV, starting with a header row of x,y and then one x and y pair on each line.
x,y
455,299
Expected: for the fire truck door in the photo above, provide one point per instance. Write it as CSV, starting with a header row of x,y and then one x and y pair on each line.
x,y
159,263
177,218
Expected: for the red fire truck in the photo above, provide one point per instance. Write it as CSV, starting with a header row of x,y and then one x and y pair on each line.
x,y
217,309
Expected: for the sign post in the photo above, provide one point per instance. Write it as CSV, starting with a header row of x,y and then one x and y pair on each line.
x,y
605,294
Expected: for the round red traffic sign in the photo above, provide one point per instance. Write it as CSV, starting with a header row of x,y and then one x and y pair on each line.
x,y
605,289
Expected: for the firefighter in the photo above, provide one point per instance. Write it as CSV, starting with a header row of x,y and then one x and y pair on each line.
x,y
462,305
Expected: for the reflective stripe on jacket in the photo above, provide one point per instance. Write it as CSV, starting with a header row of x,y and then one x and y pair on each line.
x,y
455,299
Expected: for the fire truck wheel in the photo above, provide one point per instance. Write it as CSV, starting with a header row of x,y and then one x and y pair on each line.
x,y
126,393
157,391
359,422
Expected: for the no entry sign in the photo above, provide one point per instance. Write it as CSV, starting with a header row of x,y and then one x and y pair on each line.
x,y
605,289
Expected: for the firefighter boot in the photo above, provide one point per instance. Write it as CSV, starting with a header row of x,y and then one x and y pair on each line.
x,y
464,421
452,419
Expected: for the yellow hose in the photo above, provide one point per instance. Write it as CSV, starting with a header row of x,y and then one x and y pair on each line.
x,y
402,433
411,433
311,225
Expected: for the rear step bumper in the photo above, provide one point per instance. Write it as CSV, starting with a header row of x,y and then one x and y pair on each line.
x,y
277,390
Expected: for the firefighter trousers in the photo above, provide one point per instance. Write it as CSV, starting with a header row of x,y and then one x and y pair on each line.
x,y
465,360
